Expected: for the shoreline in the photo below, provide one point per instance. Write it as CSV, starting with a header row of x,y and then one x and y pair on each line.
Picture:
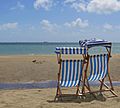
x,y
40,54
45,85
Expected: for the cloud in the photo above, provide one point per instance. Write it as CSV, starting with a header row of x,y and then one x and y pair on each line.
x,y
111,27
96,6
18,6
108,26
79,23
79,7
104,6
48,26
8,26
46,4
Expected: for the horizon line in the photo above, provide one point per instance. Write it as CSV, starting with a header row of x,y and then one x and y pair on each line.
x,y
46,42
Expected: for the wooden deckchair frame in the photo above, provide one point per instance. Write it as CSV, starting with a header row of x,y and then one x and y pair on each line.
x,y
86,82
58,91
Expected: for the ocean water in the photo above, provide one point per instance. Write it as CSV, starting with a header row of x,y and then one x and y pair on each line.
x,y
45,48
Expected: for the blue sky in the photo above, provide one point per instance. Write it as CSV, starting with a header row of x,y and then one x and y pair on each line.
x,y
59,20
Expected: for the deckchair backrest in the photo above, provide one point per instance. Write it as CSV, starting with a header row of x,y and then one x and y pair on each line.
x,y
71,68
71,50
71,73
98,67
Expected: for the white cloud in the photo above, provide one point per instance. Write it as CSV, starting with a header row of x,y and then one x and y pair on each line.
x,y
79,6
97,6
8,26
48,26
111,27
46,4
79,23
108,26
18,6
104,6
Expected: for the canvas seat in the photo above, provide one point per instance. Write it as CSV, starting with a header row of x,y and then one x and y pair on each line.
x,y
71,73
98,67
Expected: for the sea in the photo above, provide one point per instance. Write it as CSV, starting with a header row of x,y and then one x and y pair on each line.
x,y
46,48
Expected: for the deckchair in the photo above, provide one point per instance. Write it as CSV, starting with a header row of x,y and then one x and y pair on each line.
x,y
99,70
70,70
99,65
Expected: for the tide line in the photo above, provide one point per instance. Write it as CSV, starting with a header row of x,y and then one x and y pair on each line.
x,y
42,84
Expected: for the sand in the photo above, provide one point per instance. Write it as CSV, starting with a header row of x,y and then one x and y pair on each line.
x,y
23,69
44,98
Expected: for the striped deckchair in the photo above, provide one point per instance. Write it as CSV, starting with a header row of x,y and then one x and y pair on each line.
x,y
99,70
70,70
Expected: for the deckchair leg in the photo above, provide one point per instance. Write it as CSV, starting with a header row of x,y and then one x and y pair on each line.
x,y
58,93
88,86
83,88
85,76
77,90
112,91
55,98
84,80
58,97
101,84
110,82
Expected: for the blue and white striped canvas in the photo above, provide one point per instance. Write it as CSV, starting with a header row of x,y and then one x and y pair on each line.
x,y
71,50
94,42
98,67
71,73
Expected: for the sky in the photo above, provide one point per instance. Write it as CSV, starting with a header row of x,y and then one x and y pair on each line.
x,y
59,20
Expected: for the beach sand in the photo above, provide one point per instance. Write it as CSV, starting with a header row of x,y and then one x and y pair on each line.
x,y
44,98
24,69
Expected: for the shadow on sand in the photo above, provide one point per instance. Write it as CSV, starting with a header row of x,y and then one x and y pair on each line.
x,y
79,99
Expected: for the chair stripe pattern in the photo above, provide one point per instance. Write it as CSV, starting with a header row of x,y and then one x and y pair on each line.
x,y
94,42
71,50
98,67
71,73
